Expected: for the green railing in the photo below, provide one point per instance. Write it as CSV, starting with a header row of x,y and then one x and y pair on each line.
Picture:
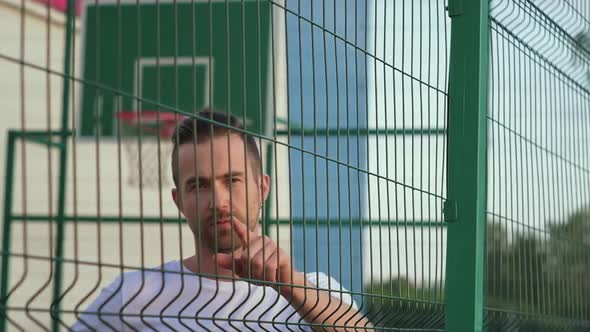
x,y
508,225
467,144
538,138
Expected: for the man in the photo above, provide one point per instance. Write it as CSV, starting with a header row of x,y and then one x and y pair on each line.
x,y
238,280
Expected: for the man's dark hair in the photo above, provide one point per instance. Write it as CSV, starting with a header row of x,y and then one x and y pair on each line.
x,y
207,125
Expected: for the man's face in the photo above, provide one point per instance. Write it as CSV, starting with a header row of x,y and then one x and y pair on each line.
x,y
215,182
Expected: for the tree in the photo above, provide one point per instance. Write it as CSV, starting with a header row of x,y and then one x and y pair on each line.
x,y
536,280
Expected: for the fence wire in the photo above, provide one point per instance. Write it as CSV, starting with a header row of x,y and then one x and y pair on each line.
x,y
538,207
346,103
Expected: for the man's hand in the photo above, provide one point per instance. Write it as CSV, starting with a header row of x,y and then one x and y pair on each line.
x,y
260,258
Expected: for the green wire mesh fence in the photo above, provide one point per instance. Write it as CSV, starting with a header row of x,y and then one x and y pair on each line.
x,y
537,214
372,161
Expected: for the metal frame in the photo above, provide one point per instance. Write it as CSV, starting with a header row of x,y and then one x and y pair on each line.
x,y
464,209
44,138
466,187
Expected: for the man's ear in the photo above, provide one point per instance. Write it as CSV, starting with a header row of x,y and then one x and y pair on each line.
x,y
177,199
264,186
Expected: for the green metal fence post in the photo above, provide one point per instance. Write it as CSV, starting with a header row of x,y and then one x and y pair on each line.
x,y
8,187
63,153
267,205
466,186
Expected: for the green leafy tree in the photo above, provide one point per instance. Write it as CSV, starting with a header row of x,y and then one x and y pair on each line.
x,y
536,280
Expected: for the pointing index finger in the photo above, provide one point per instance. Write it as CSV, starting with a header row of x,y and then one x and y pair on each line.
x,y
244,234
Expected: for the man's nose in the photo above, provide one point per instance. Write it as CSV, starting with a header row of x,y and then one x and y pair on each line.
x,y
220,198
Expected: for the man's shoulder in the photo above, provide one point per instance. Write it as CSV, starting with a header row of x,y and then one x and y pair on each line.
x,y
321,280
330,284
137,287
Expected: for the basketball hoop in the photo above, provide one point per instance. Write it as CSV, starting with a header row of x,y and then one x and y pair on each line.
x,y
146,137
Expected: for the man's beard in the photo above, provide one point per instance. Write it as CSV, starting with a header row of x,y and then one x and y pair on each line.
x,y
224,241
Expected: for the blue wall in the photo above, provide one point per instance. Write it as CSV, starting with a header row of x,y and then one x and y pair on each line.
x,y
328,89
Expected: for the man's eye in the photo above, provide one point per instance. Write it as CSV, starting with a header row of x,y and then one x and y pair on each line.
x,y
235,180
203,185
